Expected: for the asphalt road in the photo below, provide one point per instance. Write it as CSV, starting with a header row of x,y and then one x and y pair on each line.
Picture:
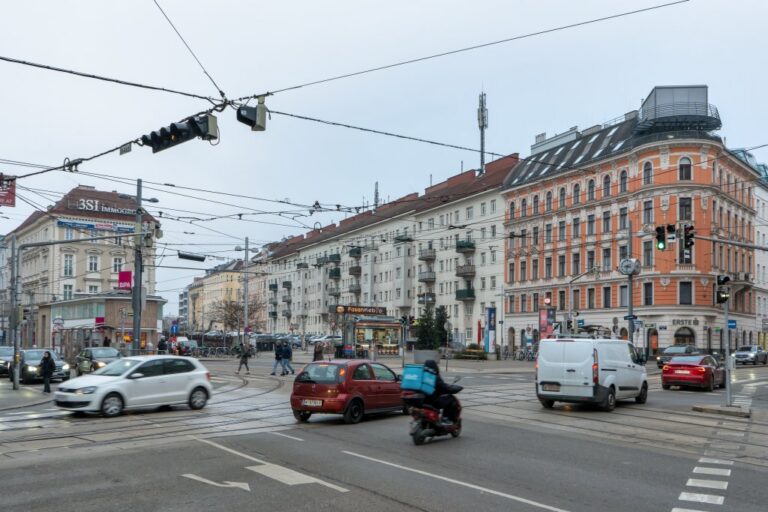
x,y
244,451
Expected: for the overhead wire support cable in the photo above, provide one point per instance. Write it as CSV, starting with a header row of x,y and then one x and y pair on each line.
x,y
105,78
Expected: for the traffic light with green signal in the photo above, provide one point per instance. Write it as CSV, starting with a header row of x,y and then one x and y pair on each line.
x,y
661,238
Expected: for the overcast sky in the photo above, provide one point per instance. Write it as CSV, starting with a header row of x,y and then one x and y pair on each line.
x,y
580,76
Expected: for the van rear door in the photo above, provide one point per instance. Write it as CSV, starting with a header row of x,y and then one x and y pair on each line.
x,y
578,356
550,368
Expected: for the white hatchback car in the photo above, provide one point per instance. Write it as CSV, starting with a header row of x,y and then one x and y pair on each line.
x,y
135,383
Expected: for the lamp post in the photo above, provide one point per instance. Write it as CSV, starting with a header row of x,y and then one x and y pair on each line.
x,y
246,323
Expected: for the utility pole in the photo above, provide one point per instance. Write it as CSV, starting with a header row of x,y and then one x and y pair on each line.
x,y
246,323
630,278
728,391
482,123
137,267
13,318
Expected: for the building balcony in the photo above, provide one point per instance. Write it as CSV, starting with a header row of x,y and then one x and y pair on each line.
x,y
741,279
466,271
401,239
287,313
355,270
334,273
427,277
355,288
302,265
287,285
468,294
426,298
273,314
334,292
465,246
287,298
334,258
427,254
322,260
273,287
273,301
355,252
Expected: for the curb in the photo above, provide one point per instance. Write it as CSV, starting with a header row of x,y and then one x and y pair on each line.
x,y
738,411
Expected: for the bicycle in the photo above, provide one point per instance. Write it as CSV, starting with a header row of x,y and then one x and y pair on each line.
x,y
505,352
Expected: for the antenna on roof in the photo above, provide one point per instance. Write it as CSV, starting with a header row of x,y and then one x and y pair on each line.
x,y
376,196
482,123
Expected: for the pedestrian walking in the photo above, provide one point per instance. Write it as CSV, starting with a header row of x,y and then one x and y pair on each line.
x,y
286,358
47,367
150,348
106,341
278,357
318,354
162,346
245,353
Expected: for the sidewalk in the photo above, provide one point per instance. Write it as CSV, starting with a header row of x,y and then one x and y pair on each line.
x,y
25,396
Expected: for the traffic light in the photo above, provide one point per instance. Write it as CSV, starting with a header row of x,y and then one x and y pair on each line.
x,y
403,320
688,235
722,294
661,238
569,325
671,233
411,320
204,126
255,117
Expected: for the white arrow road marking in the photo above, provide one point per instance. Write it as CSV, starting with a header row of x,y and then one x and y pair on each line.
x,y
458,482
240,485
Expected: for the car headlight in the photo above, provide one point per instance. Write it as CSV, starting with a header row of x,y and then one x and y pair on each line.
x,y
31,368
85,391
658,358
100,364
65,367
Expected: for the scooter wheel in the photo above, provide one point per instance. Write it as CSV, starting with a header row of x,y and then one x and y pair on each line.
x,y
457,431
418,437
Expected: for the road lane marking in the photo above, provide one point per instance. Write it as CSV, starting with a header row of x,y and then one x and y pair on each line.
x,y
240,485
707,460
678,509
709,484
701,498
286,435
712,471
458,482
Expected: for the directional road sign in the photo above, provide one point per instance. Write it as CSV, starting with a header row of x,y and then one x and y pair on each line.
x,y
731,324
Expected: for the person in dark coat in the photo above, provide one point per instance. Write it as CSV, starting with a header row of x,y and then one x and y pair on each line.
x,y
245,353
106,341
278,357
318,354
441,398
162,346
47,367
287,354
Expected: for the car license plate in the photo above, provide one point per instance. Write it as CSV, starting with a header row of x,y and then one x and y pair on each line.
x,y
684,372
550,387
312,403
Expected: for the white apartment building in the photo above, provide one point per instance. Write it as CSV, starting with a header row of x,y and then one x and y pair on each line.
x,y
444,248
761,256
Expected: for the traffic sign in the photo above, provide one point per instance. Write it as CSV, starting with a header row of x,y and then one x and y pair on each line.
x,y
174,328
580,322
731,324
630,317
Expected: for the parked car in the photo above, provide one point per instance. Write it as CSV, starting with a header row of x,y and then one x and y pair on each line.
x,y
751,354
6,358
676,350
588,370
29,359
700,371
91,359
351,388
138,382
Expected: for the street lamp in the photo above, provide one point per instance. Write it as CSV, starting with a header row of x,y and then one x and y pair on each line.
x,y
246,323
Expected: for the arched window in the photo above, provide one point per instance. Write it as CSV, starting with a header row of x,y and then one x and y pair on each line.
x,y
562,197
591,190
623,182
535,205
524,208
647,173
548,205
606,186
684,167
577,194
512,210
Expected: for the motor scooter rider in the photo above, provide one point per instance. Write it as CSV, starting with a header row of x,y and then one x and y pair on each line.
x,y
443,398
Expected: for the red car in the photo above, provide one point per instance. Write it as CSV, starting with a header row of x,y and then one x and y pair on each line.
x,y
699,371
351,387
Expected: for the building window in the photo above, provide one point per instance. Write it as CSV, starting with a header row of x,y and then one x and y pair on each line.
x,y
562,197
576,299
623,181
523,238
493,206
607,260
493,282
535,205
623,296
591,224
469,211
511,272
512,210
535,301
576,263
686,292
591,190
482,209
68,292
548,202
647,294
524,208
684,168
482,283
69,265
561,300
561,265
623,252
93,263
535,235
606,222
547,268
647,173
648,212
685,208
548,233
69,234
524,303
576,227
534,269
606,297
623,215
606,186
590,260
92,288
523,270
577,194
591,298
685,256
561,231
117,265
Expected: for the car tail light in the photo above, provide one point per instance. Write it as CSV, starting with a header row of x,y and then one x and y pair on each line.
x,y
665,368
208,375
701,369
595,368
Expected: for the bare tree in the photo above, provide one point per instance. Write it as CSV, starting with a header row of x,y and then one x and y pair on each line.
x,y
229,313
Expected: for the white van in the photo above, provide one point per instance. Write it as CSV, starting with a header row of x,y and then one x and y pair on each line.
x,y
589,370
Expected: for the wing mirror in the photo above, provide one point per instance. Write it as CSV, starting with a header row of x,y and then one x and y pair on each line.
x,y
136,375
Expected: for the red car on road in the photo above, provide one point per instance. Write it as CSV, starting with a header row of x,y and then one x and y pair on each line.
x,y
350,387
700,371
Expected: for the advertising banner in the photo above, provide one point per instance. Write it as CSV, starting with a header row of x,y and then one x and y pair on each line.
x,y
490,329
7,190
125,280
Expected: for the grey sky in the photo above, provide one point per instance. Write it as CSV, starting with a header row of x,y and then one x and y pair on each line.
x,y
581,76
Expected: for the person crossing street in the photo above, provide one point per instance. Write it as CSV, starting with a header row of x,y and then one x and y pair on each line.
x,y
287,355
245,354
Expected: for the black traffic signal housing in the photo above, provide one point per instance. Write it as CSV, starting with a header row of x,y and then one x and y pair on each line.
x,y
404,320
688,236
205,127
722,294
255,117
661,238
569,325
411,320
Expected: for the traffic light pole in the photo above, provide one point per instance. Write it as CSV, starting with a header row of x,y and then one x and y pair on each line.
x,y
137,264
728,397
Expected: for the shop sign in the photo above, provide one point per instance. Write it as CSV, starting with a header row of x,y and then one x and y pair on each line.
x,y
95,205
124,278
361,310
685,321
7,190
101,226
